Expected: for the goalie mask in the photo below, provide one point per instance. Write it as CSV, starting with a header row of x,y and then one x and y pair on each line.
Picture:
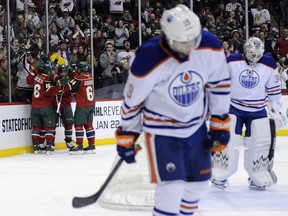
x,y
182,29
253,49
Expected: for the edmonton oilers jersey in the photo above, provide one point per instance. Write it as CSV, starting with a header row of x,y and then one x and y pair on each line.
x,y
174,94
254,86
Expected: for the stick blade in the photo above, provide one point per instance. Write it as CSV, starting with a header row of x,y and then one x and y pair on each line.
x,y
79,202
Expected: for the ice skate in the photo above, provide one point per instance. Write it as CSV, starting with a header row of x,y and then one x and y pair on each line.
x,y
69,145
77,150
50,149
220,184
253,186
90,149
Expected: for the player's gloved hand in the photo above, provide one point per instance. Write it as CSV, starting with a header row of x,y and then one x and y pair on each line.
x,y
219,134
126,144
63,81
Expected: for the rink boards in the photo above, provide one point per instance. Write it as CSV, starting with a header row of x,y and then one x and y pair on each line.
x,y
16,126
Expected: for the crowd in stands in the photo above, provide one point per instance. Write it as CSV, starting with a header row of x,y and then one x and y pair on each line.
x,y
115,34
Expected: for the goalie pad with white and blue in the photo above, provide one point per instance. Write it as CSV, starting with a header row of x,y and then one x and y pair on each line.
x,y
225,162
259,152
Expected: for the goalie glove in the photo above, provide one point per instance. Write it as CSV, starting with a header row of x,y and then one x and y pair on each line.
x,y
125,141
219,134
279,118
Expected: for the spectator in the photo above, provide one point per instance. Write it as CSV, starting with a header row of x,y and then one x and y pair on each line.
x,y
121,34
228,49
220,26
74,52
123,70
260,15
20,4
107,61
78,41
146,32
24,90
97,20
66,23
127,52
236,42
81,55
220,11
54,38
99,44
284,76
80,22
58,56
53,18
18,24
281,46
2,28
33,18
108,29
133,36
78,33
154,25
126,18
267,43
146,12
4,81
23,36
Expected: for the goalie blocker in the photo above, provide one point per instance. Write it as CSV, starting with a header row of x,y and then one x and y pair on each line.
x,y
258,155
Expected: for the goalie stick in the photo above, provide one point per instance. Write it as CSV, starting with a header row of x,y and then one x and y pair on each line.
x,y
79,202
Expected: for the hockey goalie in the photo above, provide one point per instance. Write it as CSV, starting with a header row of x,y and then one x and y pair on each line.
x,y
256,83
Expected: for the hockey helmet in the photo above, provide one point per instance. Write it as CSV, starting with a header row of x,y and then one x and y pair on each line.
x,y
83,66
182,28
253,49
62,68
47,67
37,65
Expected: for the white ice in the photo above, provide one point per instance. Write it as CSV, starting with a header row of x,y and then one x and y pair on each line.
x,y
40,185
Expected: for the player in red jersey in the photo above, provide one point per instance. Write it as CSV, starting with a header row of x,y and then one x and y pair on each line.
x,y
62,105
83,86
42,114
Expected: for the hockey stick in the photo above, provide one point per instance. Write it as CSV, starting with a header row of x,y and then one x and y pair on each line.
x,y
273,143
60,99
79,202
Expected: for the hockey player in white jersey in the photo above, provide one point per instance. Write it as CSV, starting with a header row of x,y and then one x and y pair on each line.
x,y
255,82
174,80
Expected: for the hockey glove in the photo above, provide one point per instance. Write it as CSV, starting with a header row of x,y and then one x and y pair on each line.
x,y
219,134
126,144
62,82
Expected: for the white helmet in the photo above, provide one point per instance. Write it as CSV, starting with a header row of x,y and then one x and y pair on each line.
x,y
253,49
182,25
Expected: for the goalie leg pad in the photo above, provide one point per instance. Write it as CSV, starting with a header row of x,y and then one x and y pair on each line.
x,y
225,162
259,153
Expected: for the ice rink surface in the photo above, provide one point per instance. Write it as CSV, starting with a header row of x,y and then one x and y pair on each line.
x,y
44,185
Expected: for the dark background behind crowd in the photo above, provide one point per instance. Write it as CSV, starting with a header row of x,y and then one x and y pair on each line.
x,y
116,35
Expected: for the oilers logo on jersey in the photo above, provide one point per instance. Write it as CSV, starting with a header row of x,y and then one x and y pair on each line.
x,y
249,78
184,88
